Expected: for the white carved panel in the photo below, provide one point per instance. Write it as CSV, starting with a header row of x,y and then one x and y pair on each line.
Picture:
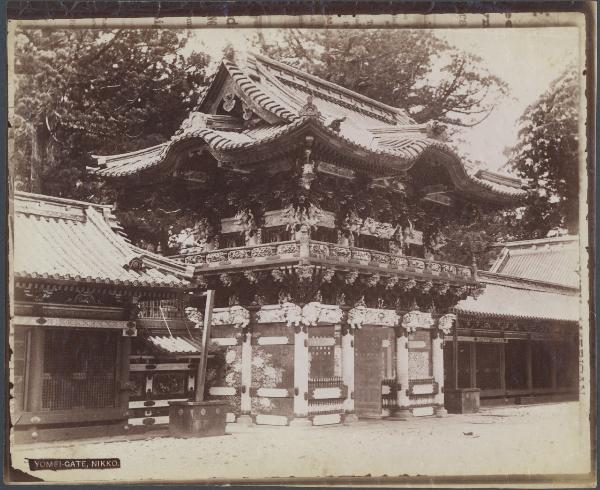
x,y
422,411
330,418
262,419
422,389
272,340
325,393
272,392
221,390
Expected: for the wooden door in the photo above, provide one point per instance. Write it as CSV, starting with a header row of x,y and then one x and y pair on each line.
x,y
369,370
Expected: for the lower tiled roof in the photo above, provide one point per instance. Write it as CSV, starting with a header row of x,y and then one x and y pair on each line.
x,y
512,298
174,344
64,240
553,260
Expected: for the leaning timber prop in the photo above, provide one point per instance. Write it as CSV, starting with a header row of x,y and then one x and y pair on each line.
x,y
197,417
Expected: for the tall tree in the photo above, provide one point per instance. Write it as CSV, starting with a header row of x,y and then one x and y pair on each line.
x,y
88,91
410,69
548,155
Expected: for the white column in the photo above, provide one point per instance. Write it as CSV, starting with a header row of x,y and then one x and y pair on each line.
x,y
402,411
348,372
437,361
246,379
300,377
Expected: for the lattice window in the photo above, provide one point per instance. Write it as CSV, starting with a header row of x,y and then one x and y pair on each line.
x,y
79,369
162,308
323,234
232,240
275,234
372,243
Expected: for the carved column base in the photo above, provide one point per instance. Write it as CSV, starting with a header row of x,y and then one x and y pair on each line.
x,y
350,418
440,411
300,422
402,413
244,419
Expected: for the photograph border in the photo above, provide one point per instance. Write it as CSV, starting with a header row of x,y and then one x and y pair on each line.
x,y
339,15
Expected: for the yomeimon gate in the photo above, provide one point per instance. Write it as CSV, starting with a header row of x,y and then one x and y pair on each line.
x,y
315,212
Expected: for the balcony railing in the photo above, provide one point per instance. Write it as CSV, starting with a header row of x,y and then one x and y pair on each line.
x,y
323,253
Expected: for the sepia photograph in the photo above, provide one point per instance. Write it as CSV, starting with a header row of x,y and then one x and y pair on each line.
x,y
327,252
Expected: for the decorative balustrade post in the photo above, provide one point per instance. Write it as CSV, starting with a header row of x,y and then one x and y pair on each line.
x,y
402,411
300,377
246,378
303,236
437,358
348,372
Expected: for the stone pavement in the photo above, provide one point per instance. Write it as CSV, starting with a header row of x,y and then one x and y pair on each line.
x,y
524,440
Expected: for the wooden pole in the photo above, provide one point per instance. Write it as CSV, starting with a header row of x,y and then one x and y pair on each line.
x,y
455,354
201,373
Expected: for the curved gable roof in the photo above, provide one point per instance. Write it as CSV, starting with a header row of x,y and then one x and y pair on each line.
x,y
367,129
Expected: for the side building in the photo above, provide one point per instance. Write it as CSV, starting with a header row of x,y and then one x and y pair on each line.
x,y
518,342
81,297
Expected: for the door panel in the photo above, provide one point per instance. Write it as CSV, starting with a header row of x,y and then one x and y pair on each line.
x,y
369,369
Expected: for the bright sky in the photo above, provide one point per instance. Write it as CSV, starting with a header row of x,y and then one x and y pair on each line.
x,y
527,59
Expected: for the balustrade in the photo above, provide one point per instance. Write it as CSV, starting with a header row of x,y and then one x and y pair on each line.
x,y
329,253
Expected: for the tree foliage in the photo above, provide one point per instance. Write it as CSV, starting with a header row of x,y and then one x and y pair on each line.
x,y
411,69
82,92
547,155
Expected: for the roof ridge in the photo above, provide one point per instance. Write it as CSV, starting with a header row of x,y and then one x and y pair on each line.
x,y
104,228
522,282
330,85
539,241
44,198
247,85
160,261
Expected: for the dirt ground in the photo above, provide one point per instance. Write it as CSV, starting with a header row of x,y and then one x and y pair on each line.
x,y
520,440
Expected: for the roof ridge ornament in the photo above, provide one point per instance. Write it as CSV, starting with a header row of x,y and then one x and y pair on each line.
x,y
135,263
309,109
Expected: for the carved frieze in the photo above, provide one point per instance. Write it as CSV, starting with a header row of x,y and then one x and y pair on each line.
x,y
287,313
238,316
264,251
361,315
413,320
288,249
315,312
340,253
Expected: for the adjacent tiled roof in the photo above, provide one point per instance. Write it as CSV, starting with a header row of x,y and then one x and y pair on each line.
x,y
371,128
173,345
65,240
554,260
511,298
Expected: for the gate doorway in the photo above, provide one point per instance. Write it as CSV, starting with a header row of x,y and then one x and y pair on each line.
x,y
373,362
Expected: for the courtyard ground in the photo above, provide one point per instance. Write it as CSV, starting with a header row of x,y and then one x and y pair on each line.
x,y
523,440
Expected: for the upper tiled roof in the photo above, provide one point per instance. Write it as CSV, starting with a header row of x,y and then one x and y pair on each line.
x,y
553,260
521,299
65,240
371,129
